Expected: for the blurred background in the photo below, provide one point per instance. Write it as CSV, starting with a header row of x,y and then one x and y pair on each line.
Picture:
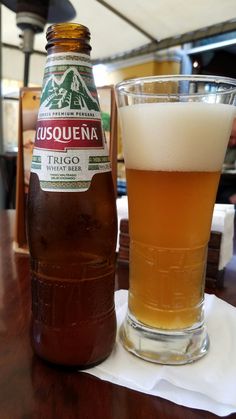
x,y
129,39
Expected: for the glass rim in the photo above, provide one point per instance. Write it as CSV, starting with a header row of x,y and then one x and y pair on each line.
x,y
121,87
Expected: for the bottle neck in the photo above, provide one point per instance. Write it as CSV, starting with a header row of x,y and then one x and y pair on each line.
x,y
68,37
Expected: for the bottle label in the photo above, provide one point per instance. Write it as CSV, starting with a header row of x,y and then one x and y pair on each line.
x,y
70,145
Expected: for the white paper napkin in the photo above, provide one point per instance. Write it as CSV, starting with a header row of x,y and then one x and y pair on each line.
x,y
208,384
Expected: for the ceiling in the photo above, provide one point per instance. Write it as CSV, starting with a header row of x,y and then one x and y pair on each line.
x,y
149,23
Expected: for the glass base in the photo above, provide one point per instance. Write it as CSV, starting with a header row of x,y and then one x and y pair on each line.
x,y
164,346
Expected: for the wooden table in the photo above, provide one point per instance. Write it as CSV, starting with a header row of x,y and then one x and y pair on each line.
x,y
30,388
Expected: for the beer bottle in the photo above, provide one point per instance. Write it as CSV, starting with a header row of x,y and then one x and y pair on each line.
x,y
71,211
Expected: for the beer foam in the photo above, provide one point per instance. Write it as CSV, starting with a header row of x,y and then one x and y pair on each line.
x,y
176,136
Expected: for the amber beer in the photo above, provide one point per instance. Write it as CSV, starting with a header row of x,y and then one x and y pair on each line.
x,y
173,154
71,211
168,250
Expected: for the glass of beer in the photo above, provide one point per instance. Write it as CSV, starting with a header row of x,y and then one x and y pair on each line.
x,y
175,130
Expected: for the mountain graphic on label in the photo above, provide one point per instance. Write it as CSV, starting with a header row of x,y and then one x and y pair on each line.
x,y
69,91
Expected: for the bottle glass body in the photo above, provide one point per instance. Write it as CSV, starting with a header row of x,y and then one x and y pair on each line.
x,y
71,234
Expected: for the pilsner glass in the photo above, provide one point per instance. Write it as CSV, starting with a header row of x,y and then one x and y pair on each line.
x,y
175,131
